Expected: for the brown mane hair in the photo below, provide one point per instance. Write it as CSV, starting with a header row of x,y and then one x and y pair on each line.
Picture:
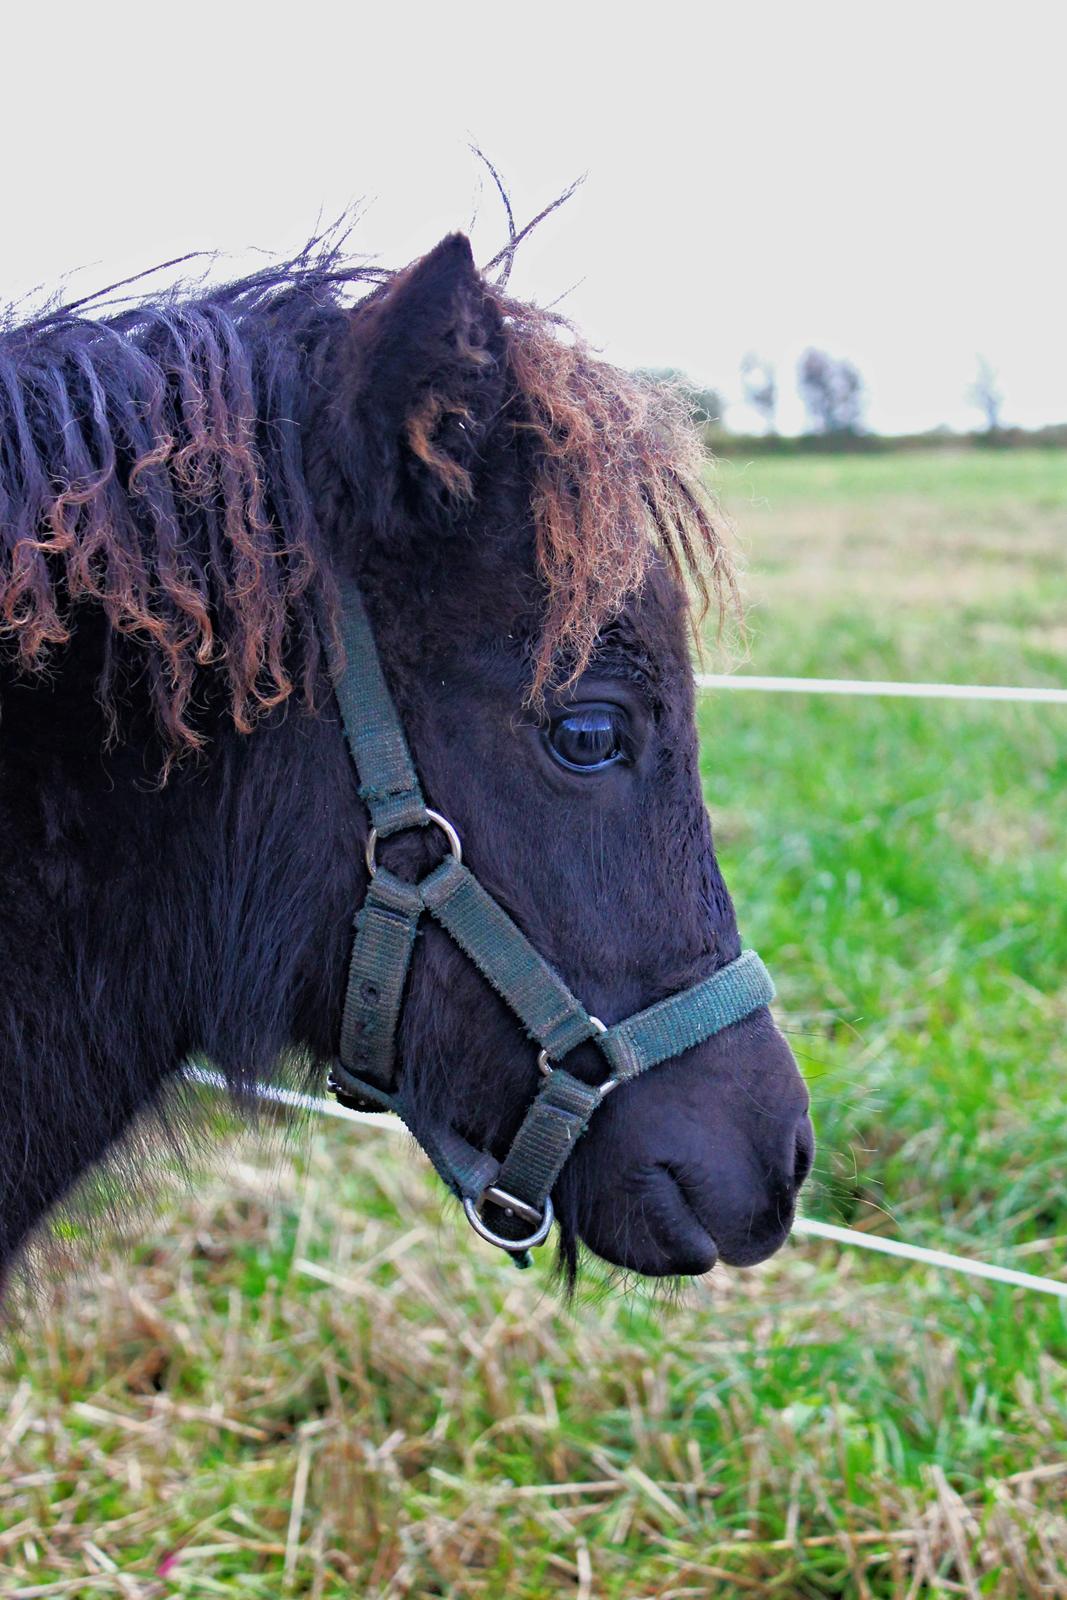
x,y
620,480
150,464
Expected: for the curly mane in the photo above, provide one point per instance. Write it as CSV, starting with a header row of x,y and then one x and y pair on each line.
x,y
151,465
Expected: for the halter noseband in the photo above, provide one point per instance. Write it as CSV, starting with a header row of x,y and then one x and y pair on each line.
x,y
507,1202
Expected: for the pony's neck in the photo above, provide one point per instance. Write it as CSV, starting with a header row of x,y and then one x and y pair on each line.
x,y
144,925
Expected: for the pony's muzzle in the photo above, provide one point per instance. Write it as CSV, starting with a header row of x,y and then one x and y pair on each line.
x,y
700,1162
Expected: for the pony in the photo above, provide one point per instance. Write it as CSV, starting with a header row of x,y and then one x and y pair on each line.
x,y
187,484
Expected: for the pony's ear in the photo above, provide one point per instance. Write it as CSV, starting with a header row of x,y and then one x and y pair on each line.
x,y
429,377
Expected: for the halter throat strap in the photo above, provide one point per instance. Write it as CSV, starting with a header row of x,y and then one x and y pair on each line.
x,y
507,1202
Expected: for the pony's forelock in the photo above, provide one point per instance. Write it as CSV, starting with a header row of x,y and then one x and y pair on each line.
x,y
619,480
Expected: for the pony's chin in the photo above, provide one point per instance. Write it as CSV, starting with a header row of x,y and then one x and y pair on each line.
x,y
659,1233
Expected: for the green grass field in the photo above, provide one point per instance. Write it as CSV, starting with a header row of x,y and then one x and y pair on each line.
x,y
300,1375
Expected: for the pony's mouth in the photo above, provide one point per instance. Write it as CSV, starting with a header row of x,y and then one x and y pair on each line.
x,y
741,1244
653,1227
666,1226
688,1236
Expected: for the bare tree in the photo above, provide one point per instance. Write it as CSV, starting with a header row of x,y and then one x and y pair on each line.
x,y
985,394
832,392
759,386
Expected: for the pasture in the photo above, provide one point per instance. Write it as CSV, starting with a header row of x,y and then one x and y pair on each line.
x,y
302,1375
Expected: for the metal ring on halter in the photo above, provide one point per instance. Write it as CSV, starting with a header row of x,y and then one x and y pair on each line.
x,y
544,1065
433,816
516,1207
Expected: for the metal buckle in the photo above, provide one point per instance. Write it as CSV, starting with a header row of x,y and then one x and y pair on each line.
x,y
435,817
514,1207
545,1067
350,1099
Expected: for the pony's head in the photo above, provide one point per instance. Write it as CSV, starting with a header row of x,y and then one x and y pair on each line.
x,y
187,487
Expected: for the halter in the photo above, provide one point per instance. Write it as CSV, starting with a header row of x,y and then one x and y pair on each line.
x,y
507,1202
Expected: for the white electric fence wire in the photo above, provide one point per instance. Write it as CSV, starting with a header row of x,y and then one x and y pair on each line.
x,y
929,1258
384,1122
298,1102
870,686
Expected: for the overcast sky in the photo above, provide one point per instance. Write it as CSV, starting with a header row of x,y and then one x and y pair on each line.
x,y
883,180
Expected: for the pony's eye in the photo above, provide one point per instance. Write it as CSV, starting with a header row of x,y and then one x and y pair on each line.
x,y
589,738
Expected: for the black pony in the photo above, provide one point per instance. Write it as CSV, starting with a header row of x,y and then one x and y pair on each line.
x,y
183,487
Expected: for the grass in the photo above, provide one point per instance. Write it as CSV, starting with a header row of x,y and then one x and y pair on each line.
x,y
302,1376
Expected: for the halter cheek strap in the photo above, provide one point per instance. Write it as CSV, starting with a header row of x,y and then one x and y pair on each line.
x,y
507,1202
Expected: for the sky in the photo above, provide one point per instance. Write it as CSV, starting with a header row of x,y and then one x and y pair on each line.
x,y
884,181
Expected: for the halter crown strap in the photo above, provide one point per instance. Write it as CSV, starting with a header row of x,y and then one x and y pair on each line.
x,y
503,1200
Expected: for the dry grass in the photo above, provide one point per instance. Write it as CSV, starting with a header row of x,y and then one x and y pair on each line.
x,y
853,557
311,1381
819,548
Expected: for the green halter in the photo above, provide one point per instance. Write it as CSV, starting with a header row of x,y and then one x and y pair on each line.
x,y
509,1202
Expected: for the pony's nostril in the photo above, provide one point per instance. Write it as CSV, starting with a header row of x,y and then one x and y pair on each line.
x,y
805,1150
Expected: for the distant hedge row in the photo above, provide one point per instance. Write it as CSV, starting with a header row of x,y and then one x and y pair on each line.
x,y
721,443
